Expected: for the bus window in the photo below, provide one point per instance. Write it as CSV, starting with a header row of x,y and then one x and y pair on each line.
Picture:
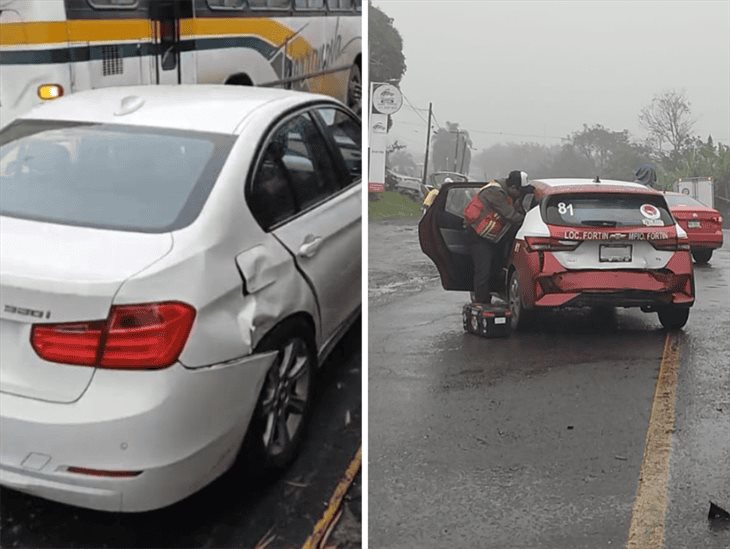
x,y
226,4
168,44
340,5
269,4
113,4
309,4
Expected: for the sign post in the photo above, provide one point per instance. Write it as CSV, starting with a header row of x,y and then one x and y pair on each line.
x,y
385,99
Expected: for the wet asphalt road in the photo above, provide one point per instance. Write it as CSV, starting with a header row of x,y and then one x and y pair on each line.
x,y
235,511
536,440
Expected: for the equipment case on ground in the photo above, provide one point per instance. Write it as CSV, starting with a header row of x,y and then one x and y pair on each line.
x,y
487,320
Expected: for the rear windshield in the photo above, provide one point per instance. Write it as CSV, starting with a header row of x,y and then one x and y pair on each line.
x,y
106,175
683,200
607,210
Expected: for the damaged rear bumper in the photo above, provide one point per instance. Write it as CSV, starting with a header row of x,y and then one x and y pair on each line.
x,y
615,288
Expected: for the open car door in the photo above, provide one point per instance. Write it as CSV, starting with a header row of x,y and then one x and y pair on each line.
x,y
443,237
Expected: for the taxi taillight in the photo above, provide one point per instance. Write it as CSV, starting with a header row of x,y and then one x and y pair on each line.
x,y
670,244
542,244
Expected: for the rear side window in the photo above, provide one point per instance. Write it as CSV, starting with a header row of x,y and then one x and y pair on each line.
x,y
458,198
607,210
346,133
296,172
107,176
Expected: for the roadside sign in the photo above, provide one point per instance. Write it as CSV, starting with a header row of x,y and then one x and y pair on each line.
x,y
385,99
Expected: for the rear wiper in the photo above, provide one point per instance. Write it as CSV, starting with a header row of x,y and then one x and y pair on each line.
x,y
599,223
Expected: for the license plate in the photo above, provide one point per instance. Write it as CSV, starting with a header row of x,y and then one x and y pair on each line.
x,y
615,253
694,224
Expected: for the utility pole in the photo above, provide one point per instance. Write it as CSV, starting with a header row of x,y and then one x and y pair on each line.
x,y
428,143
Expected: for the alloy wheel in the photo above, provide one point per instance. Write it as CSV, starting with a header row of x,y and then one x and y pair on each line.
x,y
286,395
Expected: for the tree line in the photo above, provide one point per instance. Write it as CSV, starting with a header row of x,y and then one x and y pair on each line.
x,y
671,145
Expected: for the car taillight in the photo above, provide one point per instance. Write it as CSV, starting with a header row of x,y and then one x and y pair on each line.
x,y
670,244
133,336
70,343
535,244
716,219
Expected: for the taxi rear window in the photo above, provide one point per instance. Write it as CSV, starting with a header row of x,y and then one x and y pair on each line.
x,y
107,176
607,210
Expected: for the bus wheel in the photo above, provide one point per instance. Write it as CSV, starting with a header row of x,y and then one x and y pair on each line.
x,y
239,80
354,90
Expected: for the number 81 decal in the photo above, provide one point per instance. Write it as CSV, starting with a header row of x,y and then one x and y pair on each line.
x,y
563,208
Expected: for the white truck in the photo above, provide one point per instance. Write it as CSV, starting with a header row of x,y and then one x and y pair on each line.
x,y
699,188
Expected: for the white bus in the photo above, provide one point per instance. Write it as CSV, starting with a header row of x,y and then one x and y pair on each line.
x,y
312,45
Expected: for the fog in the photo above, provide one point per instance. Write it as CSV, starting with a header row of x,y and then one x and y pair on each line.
x,y
535,71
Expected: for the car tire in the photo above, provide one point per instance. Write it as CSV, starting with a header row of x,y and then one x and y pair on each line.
x,y
354,90
521,319
673,318
701,255
282,412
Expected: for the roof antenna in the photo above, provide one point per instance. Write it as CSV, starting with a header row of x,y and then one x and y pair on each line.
x,y
596,180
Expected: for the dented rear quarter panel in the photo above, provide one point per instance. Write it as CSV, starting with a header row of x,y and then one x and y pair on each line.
x,y
202,270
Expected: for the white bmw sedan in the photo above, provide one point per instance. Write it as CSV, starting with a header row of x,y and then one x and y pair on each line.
x,y
174,264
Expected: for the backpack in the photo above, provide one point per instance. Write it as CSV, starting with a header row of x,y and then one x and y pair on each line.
x,y
484,220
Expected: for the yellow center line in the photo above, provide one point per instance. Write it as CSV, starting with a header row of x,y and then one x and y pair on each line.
x,y
331,513
650,506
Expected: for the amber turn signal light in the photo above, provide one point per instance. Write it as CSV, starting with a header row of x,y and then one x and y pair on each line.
x,y
50,91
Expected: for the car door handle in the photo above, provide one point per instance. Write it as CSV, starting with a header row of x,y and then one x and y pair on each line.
x,y
310,246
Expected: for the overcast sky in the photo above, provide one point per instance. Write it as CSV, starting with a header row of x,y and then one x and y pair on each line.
x,y
544,68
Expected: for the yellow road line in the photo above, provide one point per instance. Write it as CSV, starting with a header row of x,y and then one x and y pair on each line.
x,y
331,513
650,506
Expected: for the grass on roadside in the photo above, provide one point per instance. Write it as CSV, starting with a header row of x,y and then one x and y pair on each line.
x,y
393,205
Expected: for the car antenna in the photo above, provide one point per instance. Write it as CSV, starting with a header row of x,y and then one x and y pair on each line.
x,y
596,180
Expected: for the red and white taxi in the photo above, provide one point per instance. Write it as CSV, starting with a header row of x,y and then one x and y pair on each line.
x,y
702,224
583,243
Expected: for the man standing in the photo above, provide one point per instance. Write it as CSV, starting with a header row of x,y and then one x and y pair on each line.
x,y
646,175
492,218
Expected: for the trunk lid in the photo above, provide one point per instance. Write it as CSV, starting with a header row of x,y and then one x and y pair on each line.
x,y
614,248
697,220
53,273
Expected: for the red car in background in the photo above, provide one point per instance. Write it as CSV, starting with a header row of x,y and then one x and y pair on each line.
x,y
702,224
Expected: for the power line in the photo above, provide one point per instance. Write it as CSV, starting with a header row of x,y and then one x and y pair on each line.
x,y
517,134
491,132
414,108
433,114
